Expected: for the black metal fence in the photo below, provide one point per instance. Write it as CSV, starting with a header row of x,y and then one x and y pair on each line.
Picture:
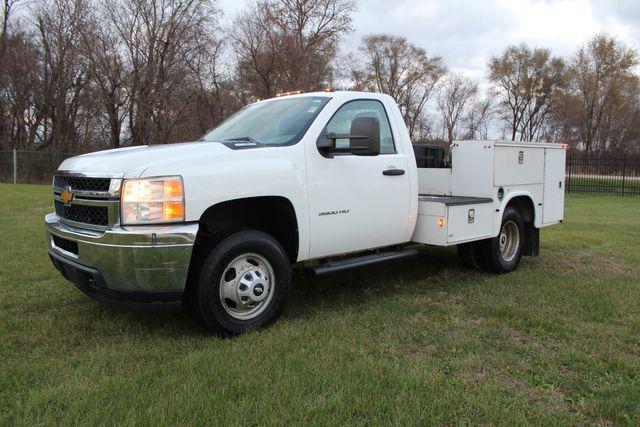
x,y
602,175
585,174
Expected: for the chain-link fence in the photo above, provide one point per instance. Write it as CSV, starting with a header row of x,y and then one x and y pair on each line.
x,y
30,167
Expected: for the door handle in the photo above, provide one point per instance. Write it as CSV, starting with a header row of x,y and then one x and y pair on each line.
x,y
393,172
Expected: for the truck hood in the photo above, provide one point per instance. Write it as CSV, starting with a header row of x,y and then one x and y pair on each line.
x,y
131,162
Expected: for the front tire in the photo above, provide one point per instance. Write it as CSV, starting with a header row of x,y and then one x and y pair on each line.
x,y
243,285
504,251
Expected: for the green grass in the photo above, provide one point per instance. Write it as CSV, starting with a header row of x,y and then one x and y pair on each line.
x,y
420,341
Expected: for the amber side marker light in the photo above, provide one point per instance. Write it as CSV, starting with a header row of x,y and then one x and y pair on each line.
x,y
440,223
173,211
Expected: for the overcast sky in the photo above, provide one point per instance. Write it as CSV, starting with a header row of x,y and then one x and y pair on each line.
x,y
465,33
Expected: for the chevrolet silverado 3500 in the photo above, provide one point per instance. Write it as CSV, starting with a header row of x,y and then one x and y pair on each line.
x,y
326,181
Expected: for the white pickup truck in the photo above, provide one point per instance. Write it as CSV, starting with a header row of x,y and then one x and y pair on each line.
x,y
324,181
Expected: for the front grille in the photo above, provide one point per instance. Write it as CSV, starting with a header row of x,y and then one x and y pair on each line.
x,y
82,183
95,215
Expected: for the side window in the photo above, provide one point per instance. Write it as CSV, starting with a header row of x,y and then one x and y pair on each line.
x,y
340,123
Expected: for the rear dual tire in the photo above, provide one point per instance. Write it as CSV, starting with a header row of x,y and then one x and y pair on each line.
x,y
501,254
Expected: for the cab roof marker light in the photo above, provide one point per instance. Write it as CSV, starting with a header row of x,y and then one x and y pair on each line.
x,y
288,93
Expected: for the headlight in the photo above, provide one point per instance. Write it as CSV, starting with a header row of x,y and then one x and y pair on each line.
x,y
152,200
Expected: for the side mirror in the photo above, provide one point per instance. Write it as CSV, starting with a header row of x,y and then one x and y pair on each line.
x,y
364,139
365,136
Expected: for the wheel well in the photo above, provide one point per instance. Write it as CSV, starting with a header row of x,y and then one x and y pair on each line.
x,y
273,215
525,207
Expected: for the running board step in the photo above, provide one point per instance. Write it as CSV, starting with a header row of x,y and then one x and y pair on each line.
x,y
361,261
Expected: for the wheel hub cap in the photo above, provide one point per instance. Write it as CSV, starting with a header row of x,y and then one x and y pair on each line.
x,y
509,241
258,290
245,286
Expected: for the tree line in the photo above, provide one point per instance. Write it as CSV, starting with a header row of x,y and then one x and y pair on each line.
x,y
82,75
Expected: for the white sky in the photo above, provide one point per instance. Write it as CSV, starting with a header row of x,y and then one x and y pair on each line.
x,y
465,33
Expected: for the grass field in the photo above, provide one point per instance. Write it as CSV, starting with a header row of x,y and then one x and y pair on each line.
x,y
420,341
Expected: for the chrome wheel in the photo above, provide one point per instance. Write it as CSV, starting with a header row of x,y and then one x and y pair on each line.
x,y
246,286
509,241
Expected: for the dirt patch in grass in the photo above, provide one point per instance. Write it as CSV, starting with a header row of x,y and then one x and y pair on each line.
x,y
583,261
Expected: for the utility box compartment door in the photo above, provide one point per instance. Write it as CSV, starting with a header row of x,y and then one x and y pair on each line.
x,y
553,194
518,165
469,222
449,220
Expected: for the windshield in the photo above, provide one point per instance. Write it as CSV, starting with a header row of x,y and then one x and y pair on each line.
x,y
278,122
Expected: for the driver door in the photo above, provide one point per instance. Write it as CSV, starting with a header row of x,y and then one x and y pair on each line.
x,y
357,202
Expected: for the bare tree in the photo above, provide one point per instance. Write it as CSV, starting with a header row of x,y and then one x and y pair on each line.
x,y
604,92
526,80
8,6
161,39
20,92
289,44
402,70
77,75
255,45
65,73
109,72
478,117
215,91
453,100
103,73
310,31
619,131
7,62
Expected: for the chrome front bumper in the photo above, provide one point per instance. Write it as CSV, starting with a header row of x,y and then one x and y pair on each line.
x,y
138,263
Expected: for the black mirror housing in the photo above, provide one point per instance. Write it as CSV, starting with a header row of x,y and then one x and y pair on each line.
x,y
365,136
364,139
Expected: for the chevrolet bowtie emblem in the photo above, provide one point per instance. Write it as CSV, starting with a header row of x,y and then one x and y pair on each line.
x,y
66,196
